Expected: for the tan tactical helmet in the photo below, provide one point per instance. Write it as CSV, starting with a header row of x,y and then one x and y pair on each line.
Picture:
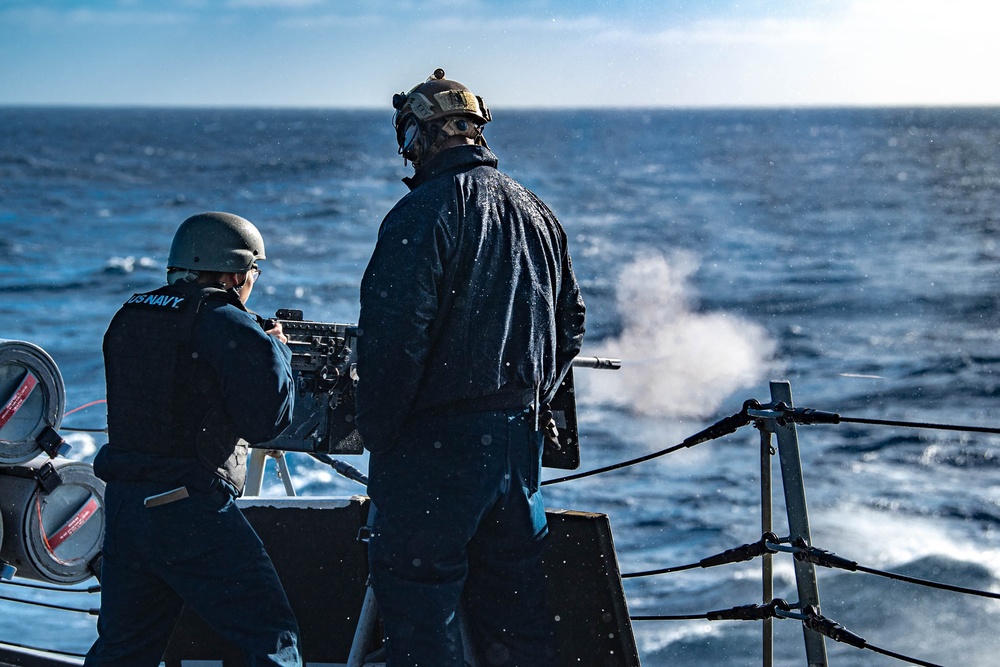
x,y
216,241
433,100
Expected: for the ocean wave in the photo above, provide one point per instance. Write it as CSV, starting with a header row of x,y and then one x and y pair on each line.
x,y
130,264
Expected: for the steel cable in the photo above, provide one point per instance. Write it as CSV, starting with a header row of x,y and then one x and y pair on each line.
x,y
780,609
929,584
43,587
736,555
928,425
900,656
808,416
4,642
91,612
616,466
804,552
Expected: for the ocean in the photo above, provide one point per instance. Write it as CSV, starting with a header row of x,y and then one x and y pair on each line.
x,y
851,252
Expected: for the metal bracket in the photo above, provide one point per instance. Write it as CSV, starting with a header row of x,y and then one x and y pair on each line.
x,y
48,478
52,443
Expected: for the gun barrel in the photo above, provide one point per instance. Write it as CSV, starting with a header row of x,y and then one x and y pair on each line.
x,y
597,362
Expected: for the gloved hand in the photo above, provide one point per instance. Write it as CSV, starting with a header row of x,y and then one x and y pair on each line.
x,y
547,424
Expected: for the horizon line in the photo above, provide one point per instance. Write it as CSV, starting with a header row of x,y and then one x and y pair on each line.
x,y
125,106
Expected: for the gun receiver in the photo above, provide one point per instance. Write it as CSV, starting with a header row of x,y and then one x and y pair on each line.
x,y
323,358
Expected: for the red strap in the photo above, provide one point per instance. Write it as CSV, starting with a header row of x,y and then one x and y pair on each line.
x,y
18,399
74,524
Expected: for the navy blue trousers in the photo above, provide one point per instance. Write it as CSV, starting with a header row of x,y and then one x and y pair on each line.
x,y
199,551
459,522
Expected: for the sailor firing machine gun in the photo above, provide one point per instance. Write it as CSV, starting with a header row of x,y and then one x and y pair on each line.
x,y
324,367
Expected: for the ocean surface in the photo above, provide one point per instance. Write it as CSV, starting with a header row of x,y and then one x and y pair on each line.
x,y
852,253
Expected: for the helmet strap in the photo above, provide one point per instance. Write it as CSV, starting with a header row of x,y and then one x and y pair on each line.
x,y
432,136
176,276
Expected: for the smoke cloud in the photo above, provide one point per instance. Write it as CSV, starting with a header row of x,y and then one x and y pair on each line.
x,y
676,362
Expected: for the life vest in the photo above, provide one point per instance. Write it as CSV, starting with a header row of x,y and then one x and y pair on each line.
x,y
162,399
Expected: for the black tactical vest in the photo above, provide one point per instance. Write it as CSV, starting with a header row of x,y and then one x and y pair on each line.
x,y
162,399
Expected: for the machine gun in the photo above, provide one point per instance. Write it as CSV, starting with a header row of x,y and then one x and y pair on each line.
x,y
565,454
323,365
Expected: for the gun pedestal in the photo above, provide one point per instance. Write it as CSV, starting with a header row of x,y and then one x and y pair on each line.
x,y
255,471
361,654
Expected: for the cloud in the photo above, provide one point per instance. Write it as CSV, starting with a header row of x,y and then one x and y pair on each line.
x,y
314,22
870,52
48,19
272,4
521,54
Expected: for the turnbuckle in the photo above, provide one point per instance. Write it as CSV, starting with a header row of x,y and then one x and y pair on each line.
x,y
784,415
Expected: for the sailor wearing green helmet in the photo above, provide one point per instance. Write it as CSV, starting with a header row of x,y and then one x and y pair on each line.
x,y
191,380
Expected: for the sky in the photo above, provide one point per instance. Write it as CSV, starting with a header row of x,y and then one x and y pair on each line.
x,y
514,53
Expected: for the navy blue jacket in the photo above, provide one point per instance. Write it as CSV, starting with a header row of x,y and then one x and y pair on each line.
x,y
236,389
469,300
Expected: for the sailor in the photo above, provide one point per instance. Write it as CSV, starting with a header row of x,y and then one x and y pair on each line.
x,y
470,318
191,379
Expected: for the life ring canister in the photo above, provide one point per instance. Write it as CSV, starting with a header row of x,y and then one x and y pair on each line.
x,y
53,517
32,403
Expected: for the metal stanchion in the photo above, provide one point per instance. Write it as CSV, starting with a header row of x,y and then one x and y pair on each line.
x,y
795,506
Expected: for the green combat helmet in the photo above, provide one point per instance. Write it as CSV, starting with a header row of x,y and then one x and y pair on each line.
x,y
215,241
